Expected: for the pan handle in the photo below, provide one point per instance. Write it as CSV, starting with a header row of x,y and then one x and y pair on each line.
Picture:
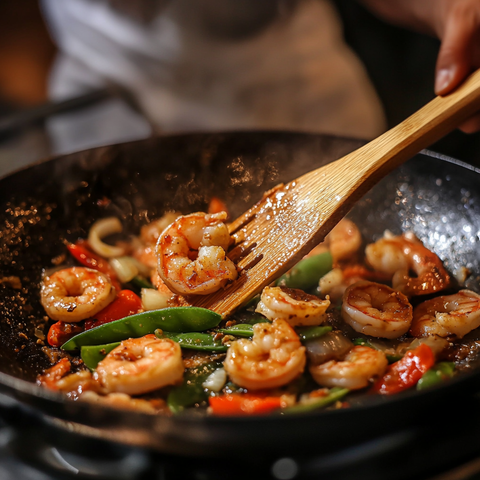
x,y
18,121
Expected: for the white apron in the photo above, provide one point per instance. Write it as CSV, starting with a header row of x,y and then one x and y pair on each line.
x,y
296,74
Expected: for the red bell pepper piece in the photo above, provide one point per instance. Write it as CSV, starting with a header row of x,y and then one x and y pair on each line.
x,y
244,404
61,332
85,256
407,371
126,303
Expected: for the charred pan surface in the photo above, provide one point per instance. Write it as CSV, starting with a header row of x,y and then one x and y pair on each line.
x,y
44,206
58,200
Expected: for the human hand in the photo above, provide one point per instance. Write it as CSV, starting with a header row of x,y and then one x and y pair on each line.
x,y
459,30
456,23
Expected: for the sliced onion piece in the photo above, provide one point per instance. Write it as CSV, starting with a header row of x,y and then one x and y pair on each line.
x,y
436,343
103,228
331,346
153,299
216,380
128,267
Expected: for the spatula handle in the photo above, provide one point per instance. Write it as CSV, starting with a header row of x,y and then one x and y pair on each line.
x,y
350,177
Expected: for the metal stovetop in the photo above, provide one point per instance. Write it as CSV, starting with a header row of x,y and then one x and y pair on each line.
x,y
445,447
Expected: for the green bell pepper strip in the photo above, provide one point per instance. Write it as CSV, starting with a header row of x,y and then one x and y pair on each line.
x,y
93,354
309,333
175,319
438,373
365,343
335,394
194,341
393,358
141,282
191,391
306,274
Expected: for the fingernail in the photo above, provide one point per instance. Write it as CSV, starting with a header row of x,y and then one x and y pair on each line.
x,y
443,79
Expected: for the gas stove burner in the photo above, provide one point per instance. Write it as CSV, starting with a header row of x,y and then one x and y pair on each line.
x,y
33,450
27,455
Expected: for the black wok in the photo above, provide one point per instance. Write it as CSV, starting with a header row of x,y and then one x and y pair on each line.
x,y
43,205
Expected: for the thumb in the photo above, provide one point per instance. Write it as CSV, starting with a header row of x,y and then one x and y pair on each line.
x,y
454,60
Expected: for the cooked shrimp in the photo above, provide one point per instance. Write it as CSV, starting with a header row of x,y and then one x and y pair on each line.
x,y
337,280
76,384
145,250
74,294
376,310
140,365
59,378
343,241
52,375
360,365
399,255
160,285
294,306
447,315
274,357
333,284
179,243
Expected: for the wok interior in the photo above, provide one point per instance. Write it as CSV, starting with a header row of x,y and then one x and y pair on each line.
x,y
44,205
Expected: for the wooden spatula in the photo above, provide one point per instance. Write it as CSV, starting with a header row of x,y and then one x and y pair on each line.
x,y
291,219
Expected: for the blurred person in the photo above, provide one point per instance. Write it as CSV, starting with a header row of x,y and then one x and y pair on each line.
x,y
203,65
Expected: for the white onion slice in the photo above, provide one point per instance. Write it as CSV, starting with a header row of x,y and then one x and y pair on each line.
x,y
128,267
153,299
216,380
100,229
331,346
436,343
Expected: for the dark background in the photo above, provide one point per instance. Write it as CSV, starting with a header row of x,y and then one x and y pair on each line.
x,y
400,63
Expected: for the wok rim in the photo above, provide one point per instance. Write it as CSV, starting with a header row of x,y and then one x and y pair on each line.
x,y
17,388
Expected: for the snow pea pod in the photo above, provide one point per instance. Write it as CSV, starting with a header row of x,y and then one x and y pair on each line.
x,y
244,329
175,319
191,392
194,341
306,274
438,373
305,333
309,333
93,354
239,330
335,394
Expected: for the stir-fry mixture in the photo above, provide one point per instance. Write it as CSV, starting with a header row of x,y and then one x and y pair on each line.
x,y
343,320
